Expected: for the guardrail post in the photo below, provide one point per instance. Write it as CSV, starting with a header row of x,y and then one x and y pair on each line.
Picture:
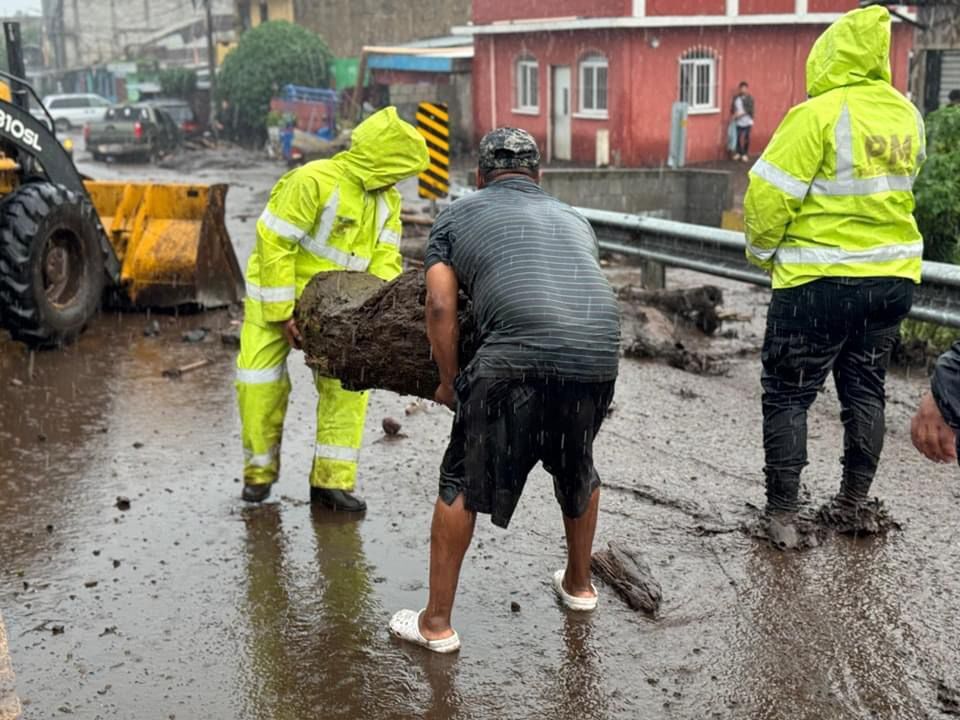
x,y
654,275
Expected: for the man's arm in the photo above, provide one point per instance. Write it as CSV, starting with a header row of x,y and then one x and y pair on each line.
x,y
443,328
779,182
935,425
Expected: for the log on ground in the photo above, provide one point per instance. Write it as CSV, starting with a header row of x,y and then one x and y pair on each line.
x,y
627,573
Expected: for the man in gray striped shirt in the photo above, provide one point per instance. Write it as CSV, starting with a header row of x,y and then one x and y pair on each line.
x,y
541,382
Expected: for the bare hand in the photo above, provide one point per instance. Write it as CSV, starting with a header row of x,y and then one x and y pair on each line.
x,y
930,433
445,396
292,334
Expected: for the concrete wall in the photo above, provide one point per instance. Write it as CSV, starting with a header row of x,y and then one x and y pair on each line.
x,y
407,90
348,25
696,196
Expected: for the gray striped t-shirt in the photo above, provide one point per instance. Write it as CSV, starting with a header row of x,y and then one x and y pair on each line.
x,y
530,264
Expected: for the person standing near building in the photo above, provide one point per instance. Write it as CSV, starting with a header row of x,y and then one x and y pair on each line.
x,y
953,99
336,214
742,109
541,382
829,212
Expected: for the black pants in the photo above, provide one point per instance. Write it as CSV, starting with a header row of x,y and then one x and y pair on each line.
x,y
845,325
503,427
743,140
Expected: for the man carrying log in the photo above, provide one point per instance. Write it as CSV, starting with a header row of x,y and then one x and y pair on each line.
x,y
540,383
336,214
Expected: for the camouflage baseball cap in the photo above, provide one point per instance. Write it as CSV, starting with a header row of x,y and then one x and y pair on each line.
x,y
506,148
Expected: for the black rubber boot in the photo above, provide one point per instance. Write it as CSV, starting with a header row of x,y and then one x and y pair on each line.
x,y
783,492
337,500
256,493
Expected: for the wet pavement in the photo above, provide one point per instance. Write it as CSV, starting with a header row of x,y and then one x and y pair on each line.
x,y
191,605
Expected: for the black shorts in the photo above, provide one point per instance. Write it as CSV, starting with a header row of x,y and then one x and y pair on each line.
x,y
503,427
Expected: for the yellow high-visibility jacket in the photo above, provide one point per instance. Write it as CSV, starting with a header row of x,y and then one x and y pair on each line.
x,y
336,214
832,195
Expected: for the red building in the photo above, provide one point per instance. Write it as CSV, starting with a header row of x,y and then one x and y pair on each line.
x,y
595,80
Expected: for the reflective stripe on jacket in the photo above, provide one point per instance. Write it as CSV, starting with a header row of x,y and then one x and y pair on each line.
x,y
832,194
336,214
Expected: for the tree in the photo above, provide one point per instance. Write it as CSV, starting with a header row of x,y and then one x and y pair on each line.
x,y
178,82
268,57
938,187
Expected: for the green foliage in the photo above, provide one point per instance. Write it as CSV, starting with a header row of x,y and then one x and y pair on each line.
x,y
927,340
938,187
178,82
268,57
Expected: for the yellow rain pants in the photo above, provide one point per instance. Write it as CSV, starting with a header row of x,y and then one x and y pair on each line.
x,y
263,388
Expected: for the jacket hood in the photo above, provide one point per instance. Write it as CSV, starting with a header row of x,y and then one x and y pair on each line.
x,y
855,49
384,150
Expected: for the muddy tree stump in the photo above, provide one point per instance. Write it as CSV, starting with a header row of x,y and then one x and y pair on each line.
x,y
372,334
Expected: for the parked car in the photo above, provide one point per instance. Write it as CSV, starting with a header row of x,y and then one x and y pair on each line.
x,y
75,110
182,115
137,129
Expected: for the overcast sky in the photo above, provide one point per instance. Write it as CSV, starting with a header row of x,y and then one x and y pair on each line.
x,y
10,7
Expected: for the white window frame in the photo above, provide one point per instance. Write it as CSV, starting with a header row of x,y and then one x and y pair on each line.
x,y
525,102
594,62
695,60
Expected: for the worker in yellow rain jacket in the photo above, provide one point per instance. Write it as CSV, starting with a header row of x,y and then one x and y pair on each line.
x,y
336,214
829,213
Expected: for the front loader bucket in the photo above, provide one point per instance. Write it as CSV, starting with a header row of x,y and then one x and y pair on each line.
x,y
171,241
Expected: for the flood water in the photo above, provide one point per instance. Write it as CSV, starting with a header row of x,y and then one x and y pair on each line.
x,y
205,608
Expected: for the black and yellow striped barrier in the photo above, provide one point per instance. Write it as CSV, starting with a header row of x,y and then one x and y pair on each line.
x,y
433,122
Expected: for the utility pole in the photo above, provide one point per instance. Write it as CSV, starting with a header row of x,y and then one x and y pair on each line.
x,y
212,69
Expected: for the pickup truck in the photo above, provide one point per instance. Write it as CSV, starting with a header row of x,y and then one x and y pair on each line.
x,y
132,130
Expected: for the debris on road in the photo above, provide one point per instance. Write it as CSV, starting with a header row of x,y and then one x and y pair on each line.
x,y
91,583
16,382
696,305
390,426
176,372
231,338
195,336
627,573
123,503
152,329
948,698
417,406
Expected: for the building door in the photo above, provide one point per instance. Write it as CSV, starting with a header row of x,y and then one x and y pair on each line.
x,y
560,112
949,74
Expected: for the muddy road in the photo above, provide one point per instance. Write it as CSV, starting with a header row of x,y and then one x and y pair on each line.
x,y
190,605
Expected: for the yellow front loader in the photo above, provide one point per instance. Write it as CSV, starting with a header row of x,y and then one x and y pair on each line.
x,y
66,242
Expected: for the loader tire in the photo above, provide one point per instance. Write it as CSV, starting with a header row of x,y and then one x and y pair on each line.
x,y
51,264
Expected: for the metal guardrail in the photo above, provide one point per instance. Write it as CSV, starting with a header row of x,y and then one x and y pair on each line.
x,y
721,253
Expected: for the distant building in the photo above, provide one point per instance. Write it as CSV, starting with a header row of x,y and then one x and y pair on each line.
x,y
347,25
936,67
82,33
594,80
89,44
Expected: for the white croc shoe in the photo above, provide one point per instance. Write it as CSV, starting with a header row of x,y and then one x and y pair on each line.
x,y
572,602
405,625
